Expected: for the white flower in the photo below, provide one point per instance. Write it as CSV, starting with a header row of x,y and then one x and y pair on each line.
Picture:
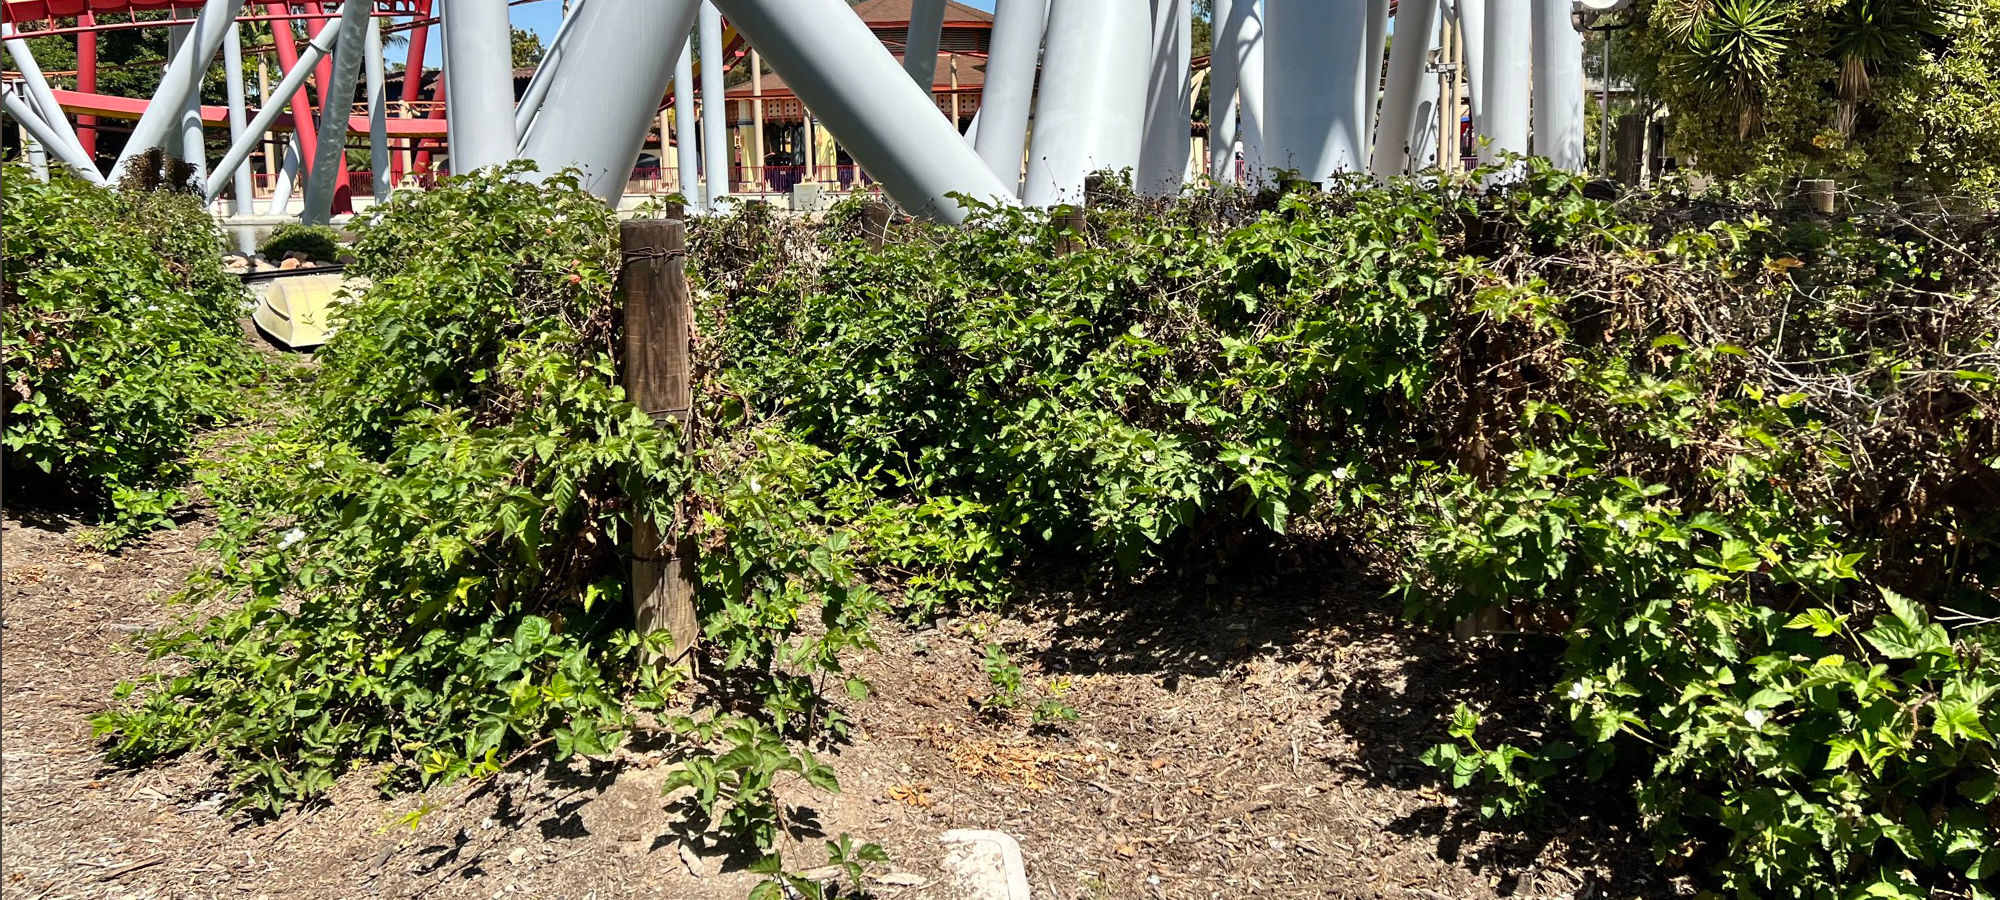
x,y
1756,717
1579,689
291,537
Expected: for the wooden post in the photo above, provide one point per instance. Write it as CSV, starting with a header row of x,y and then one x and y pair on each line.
x,y
875,217
1072,229
659,379
1818,194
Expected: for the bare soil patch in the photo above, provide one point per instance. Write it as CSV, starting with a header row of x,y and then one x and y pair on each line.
x,y
1257,740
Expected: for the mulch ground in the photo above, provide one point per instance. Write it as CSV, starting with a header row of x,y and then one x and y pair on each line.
x,y
1255,741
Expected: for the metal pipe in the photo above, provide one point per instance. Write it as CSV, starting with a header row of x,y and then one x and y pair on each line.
x,y
336,109
714,105
841,72
602,101
378,111
43,101
1250,82
32,122
477,66
1558,97
1163,154
288,86
1011,62
1226,18
1090,112
38,158
1318,111
1510,38
288,176
1395,138
920,42
688,151
183,79
194,142
232,71
538,86
1472,44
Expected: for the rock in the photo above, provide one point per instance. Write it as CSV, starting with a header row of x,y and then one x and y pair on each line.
x,y
258,265
347,259
235,264
289,263
298,255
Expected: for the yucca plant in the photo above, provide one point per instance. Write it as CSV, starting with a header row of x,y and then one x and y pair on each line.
x,y
1734,48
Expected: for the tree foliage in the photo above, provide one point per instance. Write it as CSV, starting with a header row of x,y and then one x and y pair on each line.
x,y
1896,94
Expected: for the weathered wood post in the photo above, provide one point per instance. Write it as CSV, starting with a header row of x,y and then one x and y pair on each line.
x,y
1071,228
1818,195
659,379
875,216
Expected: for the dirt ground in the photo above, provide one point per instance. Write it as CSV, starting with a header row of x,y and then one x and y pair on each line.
x,y
1260,743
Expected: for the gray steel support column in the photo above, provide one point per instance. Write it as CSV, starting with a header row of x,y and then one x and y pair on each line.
x,y
1163,157
1423,146
182,80
688,152
1225,23
1009,97
378,111
1371,86
1558,77
43,100
478,56
1090,112
714,109
1510,39
538,86
1395,137
1472,35
920,47
31,122
1250,91
232,70
193,141
841,72
603,100
288,175
38,159
336,111
288,87
1319,122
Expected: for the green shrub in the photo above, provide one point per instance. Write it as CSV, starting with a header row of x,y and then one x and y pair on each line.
x,y
121,339
318,242
435,553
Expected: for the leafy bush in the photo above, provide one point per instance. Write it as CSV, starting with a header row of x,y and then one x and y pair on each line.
x,y
1710,450
319,243
121,339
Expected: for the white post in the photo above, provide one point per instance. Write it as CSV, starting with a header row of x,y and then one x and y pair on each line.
x,y
714,108
1558,98
1002,120
378,112
920,45
688,155
479,75
38,159
1509,57
1395,139
1163,156
274,106
841,71
182,80
1472,45
1318,109
603,100
538,86
232,71
280,203
1250,81
1091,110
